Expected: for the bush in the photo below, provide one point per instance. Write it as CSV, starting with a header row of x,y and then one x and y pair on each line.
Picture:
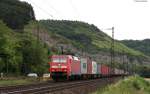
x,y
131,85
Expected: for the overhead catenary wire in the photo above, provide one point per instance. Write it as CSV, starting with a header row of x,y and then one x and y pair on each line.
x,y
58,12
74,9
43,10
53,8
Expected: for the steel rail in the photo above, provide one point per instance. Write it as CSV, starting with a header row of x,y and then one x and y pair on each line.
x,y
48,88
55,86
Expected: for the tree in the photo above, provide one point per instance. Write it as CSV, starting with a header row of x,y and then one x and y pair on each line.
x,y
16,13
8,45
35,57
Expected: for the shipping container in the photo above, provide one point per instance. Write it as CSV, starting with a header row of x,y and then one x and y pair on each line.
x,y
104,70
99,68
94,67
121,71
75,66
89,66
83,66
116,71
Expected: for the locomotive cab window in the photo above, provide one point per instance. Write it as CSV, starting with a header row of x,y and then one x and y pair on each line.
x,y
59,60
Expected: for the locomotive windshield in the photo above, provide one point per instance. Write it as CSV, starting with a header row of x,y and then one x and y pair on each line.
x,y
59,60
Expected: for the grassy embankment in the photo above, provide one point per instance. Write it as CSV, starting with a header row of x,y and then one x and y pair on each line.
x,y
18,81
131,85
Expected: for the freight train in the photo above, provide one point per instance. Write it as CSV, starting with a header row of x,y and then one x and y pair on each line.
x,y
68,67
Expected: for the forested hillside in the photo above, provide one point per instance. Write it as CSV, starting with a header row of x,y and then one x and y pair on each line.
x,y
15,13
140,45
86,37
21,53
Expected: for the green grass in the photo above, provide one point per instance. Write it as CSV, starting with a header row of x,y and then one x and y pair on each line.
x,y
131,85
12,82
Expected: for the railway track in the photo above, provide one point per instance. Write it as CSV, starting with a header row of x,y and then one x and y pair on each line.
x,y
47,87
20,86
8,89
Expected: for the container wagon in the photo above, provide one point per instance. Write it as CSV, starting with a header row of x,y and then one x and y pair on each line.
x,y
105,71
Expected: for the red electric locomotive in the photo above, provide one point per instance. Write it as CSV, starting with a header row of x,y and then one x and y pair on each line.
x,y
64,67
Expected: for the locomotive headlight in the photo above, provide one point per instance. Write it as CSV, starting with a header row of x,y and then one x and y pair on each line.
x,y
63,66
54,66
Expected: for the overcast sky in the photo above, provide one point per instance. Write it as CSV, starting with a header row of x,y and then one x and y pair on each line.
x,y
131,19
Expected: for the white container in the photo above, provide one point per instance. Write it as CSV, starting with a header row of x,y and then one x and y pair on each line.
x,y
116,71
99,68
83,66
94,67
